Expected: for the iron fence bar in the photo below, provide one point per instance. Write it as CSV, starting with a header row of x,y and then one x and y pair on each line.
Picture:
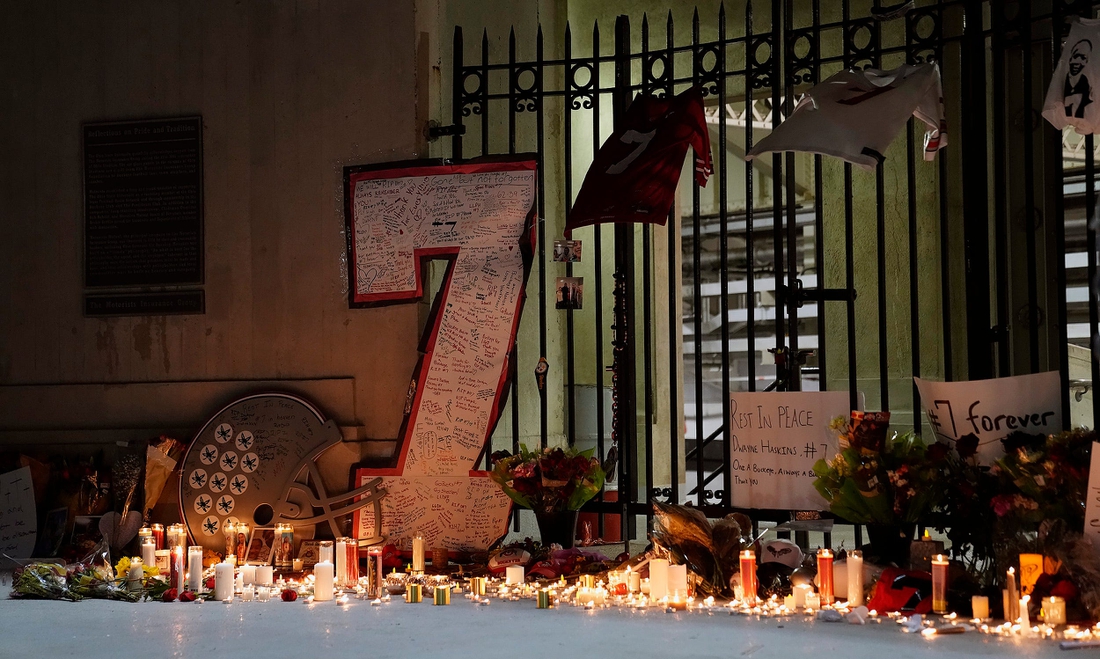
x,y
975,186
484,92
697,284
702,445
511,150
1053,140
647,310
819,215
750,245
457,85
777,178
1030,211
794,380
540,120
849,252
723,241
914,283
675,328
597,264
570,349
880,225
626,359
1000,185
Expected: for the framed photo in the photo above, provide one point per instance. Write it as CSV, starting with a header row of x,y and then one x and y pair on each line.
x,y
310,553
567,251
260,546
569,292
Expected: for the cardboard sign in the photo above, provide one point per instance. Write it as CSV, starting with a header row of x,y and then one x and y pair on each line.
x,y
1092,499
18,518
993,409
775,439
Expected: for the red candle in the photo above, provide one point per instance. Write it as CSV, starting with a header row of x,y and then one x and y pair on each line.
x,y
158,535
177,573
825,576
748,576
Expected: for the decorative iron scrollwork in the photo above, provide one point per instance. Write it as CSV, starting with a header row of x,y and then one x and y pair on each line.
x,y
859,43
761,66
526,98
923,31
471,99
707,69
582,95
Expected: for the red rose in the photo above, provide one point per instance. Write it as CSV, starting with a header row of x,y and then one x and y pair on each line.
x,y
169,595
187,596
210,583
289,595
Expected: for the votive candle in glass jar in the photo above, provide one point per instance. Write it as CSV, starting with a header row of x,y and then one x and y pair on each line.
x,y
825,576
939,583
749,584
158,535
284,546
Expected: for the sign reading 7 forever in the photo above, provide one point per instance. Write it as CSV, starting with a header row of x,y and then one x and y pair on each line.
x,y
479,218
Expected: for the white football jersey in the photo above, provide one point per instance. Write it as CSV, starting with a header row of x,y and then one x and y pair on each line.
x,y
1071,98
854,115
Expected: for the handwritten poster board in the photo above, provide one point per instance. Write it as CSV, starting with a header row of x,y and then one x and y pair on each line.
x,y
775,439
18,517
993,409
480,218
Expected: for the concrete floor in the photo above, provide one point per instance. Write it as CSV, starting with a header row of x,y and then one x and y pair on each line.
x,y
95,629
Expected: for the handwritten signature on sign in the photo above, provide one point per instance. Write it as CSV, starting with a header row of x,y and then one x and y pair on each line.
x,y
478,219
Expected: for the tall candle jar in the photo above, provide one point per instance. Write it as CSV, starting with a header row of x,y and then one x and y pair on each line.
x,y
284,546
158,536
825,576
939,583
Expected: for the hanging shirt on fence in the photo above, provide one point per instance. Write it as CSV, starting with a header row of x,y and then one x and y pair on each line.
x,y
1071,99
855,115
634,175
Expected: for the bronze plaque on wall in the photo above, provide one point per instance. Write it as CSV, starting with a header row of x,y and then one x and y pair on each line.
x,y
143,203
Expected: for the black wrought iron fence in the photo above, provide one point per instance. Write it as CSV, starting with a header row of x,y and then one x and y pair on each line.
x,y
943,270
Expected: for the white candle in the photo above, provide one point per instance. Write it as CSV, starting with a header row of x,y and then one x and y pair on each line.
x,y
980,606
633,580
134,576
1025,616
248,574
247,592
149,552
678,580
324,574
800,592
265,575
238,580
194,569
1054,611
855,578
223,581
658,579
325,554
418,554
341,561
514,574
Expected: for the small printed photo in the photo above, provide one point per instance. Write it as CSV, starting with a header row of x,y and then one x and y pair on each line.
x,y
310,553
261,546
567,251
569,292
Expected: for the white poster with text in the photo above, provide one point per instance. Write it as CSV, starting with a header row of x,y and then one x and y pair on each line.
x,y
1092,499
993,409
18,519
775,439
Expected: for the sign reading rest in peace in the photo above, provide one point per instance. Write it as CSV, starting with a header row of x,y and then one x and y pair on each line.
x,y
775,439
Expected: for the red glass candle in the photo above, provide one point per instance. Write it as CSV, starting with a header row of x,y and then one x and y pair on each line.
x,y
158,535
748,576
825,576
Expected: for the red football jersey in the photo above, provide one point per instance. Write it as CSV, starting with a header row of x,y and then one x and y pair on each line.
x,y
634,175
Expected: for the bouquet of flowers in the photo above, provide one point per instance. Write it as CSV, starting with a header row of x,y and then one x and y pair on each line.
x,y
880,477
549,480
1042,478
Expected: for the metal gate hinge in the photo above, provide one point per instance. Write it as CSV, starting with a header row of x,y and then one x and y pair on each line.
x,y
802,295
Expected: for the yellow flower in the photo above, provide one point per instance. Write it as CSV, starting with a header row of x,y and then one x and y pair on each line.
x,y
150,571
123,566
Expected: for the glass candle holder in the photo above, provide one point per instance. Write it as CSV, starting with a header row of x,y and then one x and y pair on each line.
x,y
825,576
325,552
413,594
939,583
176,536
284,546
855,578
442,595
749,585
230,530
158,535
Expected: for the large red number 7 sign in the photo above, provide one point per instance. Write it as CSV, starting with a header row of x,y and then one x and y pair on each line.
x,y
480,218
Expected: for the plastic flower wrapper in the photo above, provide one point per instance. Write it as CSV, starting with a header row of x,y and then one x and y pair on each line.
x,y
42,581
710,551
94,577
550,480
